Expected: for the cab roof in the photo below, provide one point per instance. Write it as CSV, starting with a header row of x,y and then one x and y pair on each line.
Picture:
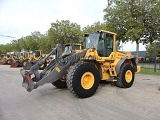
x,y
107,32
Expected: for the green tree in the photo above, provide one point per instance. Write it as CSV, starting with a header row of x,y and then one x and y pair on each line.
x,y
94,27
129,20
6,48
153,48
152,21
21,44
64,32
15,45
43,43
32,41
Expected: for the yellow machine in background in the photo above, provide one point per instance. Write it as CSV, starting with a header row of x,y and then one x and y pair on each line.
x,y
7,59
72,47
33,57
4,59
19,60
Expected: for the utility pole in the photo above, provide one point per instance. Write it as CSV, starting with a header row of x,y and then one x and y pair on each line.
x,y
155,55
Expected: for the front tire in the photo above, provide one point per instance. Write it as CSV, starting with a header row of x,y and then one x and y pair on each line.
x,y
125,77
83,79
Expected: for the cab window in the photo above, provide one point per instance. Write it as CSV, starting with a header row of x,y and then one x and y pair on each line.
x,y
109,44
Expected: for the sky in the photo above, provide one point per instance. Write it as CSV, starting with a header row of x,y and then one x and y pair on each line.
x,y
19,18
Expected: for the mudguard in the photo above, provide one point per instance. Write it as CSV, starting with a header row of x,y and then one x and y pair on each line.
x,y
121,61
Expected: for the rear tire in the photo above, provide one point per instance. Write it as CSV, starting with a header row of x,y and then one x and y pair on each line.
x,y
125,77
83,79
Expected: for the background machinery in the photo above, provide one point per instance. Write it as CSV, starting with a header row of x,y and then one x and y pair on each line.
x,y
81,72
33,57
72,47
4,59
7,59
19,60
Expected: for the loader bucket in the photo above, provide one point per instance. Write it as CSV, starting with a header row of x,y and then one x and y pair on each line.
x,y
28,65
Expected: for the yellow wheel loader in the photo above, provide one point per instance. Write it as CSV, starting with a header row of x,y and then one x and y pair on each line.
x,y
72,47
28,58
5,59
18,61
82,71
11,58
33,57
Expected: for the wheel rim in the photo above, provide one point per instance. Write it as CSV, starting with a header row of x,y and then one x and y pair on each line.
x,y
87,80
128,76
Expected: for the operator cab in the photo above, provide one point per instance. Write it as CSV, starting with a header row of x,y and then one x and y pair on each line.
x,y
68,48
102,41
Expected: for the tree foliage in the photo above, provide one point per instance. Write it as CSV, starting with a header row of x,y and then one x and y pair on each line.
x,y
64,32
5,48
94,27
133,20
152,21
153,49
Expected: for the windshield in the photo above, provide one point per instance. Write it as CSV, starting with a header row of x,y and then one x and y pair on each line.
x,y
76,47
25,55
92,40
67,49
37,53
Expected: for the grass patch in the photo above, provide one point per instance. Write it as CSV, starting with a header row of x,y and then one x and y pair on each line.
x,y
149,71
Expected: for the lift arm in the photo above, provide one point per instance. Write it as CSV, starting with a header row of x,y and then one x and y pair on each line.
x,y
53,72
